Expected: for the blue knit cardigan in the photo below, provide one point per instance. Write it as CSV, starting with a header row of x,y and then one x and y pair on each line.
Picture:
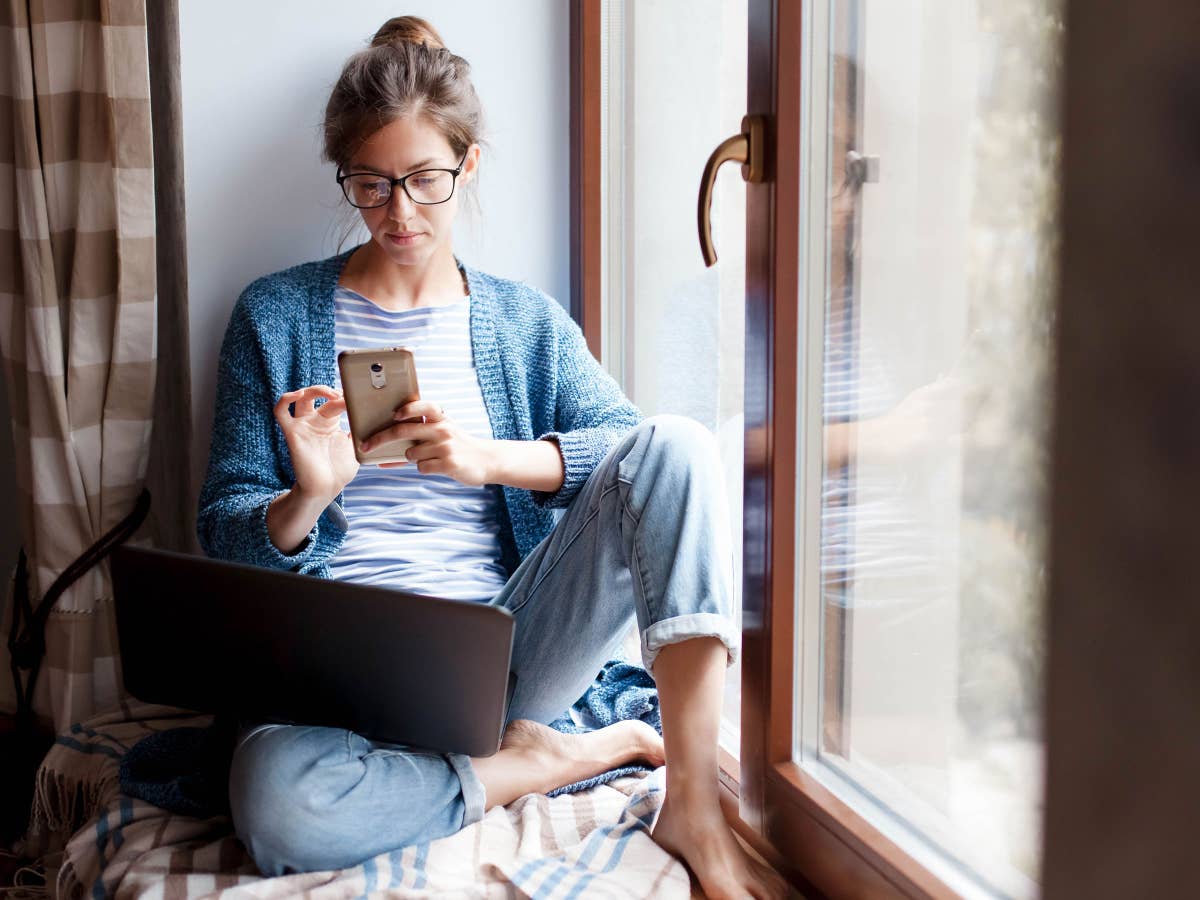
x,y
537,377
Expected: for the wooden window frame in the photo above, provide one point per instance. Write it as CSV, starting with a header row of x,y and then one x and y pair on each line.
x,y
836,849
586,28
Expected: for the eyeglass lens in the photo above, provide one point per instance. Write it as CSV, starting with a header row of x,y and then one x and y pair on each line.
x,y
423,187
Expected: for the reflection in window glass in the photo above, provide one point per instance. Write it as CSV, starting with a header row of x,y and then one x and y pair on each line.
x,y
942,146
675,331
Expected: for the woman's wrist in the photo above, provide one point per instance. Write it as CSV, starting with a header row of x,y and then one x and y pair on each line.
x,y
290,518
310,500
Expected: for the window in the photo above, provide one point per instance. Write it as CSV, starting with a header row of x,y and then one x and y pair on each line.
x,y
929,277
879,331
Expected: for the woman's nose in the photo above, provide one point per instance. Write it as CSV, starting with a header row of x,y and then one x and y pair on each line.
x,y
401,206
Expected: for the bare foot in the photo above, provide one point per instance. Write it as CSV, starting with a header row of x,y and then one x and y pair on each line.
x,y
567,758
536,758
703,840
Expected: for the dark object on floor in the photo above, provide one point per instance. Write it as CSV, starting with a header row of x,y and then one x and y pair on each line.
x,y
21,752
25,743
25,874
186,770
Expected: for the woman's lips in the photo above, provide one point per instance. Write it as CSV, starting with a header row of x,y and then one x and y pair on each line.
x,y
404,238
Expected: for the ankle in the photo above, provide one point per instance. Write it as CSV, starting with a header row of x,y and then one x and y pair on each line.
x,y
696,796
704,777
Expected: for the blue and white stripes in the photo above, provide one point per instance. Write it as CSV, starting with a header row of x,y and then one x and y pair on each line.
x,y
553,861
423,533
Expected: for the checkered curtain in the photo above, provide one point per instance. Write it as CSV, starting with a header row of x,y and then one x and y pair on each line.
x,y
77,313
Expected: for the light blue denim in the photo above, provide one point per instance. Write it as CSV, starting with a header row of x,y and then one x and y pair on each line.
x,y
648,535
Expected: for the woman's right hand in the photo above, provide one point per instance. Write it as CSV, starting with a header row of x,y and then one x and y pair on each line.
x,y
322,454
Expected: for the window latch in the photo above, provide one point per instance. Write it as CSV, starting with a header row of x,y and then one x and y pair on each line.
x,y
861,169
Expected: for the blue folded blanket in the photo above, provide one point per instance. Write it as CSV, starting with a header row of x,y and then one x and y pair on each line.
x,y
186,770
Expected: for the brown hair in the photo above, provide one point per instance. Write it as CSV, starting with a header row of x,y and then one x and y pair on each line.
x,y
406,71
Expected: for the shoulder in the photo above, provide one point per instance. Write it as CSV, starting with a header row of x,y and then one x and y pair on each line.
x,y
519,307
285,295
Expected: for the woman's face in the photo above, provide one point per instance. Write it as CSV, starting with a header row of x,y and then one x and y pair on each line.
x,y
411,233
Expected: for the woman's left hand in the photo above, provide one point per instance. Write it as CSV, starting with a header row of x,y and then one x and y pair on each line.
x,y
442,448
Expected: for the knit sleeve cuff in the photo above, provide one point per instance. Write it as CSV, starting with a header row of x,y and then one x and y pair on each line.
x,y
579,460
272,556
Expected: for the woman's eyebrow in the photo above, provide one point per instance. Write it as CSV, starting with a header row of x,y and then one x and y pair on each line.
x,y
415,167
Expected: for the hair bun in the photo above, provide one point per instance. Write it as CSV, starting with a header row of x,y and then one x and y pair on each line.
x,y
407,30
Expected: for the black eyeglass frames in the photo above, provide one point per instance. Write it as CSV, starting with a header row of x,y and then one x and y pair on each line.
x,y
427,187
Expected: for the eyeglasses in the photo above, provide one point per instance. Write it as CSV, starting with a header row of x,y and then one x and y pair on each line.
x,y
366,190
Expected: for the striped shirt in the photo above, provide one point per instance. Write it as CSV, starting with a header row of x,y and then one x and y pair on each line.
x,y
427,534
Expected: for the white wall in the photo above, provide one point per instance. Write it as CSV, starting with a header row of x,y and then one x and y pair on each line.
x,y
256,77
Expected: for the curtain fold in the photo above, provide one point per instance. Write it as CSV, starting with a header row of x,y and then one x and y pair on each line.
x,y
77,311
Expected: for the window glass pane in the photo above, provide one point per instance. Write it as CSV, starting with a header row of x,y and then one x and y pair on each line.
x,y
938,199
675,87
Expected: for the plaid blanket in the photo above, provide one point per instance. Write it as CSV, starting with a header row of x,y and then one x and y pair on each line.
x,y
595,843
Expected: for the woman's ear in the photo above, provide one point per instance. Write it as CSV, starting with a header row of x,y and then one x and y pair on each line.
x,y
470,164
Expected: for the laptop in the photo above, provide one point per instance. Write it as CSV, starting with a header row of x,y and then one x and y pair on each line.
x,y
268,645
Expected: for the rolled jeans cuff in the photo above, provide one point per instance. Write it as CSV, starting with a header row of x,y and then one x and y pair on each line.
x,y
684,628
473,793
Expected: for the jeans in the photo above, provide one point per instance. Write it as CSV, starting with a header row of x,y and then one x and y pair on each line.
x,y
647,535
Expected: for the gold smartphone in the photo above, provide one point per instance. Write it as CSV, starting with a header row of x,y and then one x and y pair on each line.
x,y
374,384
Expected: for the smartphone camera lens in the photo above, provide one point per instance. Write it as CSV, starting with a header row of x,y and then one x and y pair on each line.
x,y
376,367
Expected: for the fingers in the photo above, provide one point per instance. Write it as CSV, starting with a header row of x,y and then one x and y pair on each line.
x,y
313,391
424,450
434,467
418,409
304,398
401,431
332,409
427,466
281,411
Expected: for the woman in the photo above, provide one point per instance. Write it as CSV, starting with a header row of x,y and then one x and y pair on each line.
x,y
516,419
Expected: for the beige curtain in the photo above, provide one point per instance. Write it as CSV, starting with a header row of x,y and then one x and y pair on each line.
x,y
77,312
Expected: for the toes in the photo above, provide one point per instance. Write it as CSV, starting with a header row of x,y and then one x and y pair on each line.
x,y
769,884
653,749
764,884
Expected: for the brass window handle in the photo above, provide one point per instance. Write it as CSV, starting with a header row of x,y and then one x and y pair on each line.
x,y
746,148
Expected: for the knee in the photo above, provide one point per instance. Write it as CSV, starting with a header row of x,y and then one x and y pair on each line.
x,y
678,437
678,442
283,783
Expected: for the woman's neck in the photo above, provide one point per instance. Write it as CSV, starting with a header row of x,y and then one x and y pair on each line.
x,y
372,273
